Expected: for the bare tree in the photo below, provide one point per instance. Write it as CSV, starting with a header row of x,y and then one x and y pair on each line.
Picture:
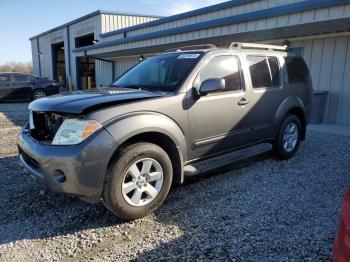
x,y
17,67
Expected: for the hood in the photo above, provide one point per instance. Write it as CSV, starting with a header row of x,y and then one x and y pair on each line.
x,y
79,102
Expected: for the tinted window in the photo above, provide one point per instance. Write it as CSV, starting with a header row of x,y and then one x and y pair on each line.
x,y
20,78
275,71
226,67
163,72
32,79
5,78
259,71
264,71
297,70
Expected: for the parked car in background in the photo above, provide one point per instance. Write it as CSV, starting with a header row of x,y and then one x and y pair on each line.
x,y
180,113
19,86
341,247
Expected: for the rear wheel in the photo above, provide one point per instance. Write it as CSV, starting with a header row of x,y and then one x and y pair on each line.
x,y
288,139
137,181
38,93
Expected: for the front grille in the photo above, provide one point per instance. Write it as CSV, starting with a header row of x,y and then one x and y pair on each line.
x,y
46,125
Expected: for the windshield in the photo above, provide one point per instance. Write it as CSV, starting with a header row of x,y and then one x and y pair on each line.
x,y
160,73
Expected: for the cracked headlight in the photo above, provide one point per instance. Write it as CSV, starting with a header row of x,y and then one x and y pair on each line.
x,y
74,131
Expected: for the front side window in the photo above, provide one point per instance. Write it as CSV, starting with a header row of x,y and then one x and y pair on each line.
x,y
20,78
160,73
264,71
5,78
226,67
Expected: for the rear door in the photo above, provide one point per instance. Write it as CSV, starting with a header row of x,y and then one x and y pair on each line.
x,y
5,87
266,93
21,86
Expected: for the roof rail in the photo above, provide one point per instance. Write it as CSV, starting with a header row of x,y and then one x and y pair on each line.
x,y
238,45
191,47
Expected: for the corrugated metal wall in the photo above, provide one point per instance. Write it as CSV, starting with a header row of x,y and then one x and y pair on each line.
x,y
45,45
115,22
97,24
89,26
312,16
35,57
329,61
104,73
124,64
246,8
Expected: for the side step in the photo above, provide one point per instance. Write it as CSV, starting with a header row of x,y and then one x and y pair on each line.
x,y
219,161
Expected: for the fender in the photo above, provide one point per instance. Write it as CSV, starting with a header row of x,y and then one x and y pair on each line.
x,y
287,105
129,125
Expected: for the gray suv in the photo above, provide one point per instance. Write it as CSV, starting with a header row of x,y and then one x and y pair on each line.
x,y
180,113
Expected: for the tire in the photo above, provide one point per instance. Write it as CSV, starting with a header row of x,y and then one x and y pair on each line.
x,y
286,148
38,93
121,172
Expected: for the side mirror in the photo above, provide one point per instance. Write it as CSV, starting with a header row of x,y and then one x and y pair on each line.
x,y
212,85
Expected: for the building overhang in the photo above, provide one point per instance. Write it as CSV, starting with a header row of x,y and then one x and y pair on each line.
x,y
287,32
304,27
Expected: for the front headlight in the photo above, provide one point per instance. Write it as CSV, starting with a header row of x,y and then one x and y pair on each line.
x,y
74,131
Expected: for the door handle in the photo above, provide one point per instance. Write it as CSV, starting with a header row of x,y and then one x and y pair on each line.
x,y
243,102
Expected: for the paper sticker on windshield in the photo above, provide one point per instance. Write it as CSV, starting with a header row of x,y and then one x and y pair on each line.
x,y
188,56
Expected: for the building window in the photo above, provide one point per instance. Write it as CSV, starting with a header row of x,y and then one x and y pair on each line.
x,y
84,40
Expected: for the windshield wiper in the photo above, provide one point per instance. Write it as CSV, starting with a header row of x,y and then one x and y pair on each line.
x,y
142,87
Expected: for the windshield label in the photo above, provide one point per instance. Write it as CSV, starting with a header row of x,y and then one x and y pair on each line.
x,y
188,56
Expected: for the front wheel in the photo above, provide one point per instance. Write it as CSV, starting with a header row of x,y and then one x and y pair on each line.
x,y
137,181
288,138
37,94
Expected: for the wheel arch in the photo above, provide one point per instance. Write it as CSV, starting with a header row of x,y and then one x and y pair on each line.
x,y
156,129
292,105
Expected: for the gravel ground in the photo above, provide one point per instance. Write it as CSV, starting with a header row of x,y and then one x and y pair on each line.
x,y
260,209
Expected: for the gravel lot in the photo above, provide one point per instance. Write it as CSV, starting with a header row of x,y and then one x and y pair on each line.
x,y
261,209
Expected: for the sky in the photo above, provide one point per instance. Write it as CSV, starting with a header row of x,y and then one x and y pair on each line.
x,y
22,19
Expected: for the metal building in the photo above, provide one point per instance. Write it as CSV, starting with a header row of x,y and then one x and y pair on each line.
x,y
316,29
53,55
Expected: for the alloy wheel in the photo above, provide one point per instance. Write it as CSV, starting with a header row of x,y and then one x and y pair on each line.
x,y
290,137
142,182
39,94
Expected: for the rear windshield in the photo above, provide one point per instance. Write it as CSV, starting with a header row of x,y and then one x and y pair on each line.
x,y
297,70
160,73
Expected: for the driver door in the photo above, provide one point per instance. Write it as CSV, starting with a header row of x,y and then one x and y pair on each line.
x,y
217,120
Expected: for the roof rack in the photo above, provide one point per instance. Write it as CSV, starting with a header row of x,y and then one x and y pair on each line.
x,y
238,45
191,47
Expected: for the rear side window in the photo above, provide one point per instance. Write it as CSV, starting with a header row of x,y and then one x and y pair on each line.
x,y
264,71
226,67
20,78
297,70
32,79
5,78
275,71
